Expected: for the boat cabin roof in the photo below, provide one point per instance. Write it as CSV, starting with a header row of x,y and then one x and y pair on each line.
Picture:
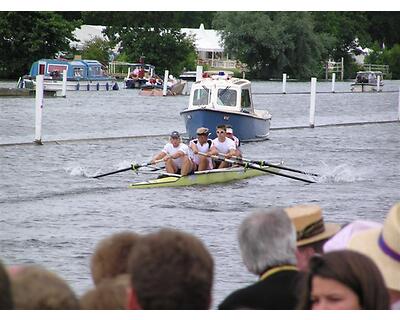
x,y
223,93
378,73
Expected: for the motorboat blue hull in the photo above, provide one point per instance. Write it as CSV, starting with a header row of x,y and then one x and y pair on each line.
x,y
246,126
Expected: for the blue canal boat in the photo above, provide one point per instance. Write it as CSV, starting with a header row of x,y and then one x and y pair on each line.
x,y
87,75
220,99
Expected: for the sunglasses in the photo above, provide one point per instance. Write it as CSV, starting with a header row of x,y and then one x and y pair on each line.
x,y
218,132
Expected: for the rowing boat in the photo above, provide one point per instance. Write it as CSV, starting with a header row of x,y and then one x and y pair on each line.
x,y
201,177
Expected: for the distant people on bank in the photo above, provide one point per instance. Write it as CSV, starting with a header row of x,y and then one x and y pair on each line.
x,y
222,146
343,280
311,231
6,299
201,144
36,288
230,135
111,255
170,270
382,245
267,241
176,156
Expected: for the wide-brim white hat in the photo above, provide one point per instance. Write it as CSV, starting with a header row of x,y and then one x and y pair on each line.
x,y
382,245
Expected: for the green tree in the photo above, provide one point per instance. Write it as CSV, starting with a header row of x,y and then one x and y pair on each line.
x,y
271,43
96,49
384,27
29,36
166,48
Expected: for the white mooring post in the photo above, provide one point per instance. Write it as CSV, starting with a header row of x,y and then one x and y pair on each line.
x,y
165,84
39,108
312,101
199,73
378,83
64,84
333,82
284,83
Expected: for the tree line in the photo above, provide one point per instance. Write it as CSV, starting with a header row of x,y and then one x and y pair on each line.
x,y
269,43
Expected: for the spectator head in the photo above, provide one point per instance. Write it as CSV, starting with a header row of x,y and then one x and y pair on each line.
x,y
382,245
341,239
346,280
110,257
311,231
35,288
110,294
267,238
170,270
6,300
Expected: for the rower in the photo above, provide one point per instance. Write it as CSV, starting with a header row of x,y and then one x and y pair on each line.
x,y
201,144
176,156
229,134
222,145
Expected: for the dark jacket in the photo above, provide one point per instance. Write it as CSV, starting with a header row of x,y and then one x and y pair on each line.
x,y
276,292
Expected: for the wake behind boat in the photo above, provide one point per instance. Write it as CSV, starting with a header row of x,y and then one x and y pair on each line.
x,y
220,99
206,177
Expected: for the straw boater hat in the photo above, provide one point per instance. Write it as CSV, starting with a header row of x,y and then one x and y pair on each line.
x,y
382,245
309,223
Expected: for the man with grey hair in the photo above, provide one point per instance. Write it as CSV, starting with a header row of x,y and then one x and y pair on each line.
x,y
267,240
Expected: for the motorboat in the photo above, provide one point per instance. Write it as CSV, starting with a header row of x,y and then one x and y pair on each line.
x,y
139,75
84,75
174,88
221,99
367,81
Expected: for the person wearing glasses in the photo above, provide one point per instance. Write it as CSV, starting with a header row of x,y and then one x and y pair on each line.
x,y
201,144
176,156
229,134
223,146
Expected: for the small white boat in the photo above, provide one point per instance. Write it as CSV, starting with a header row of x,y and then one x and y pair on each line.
x,y
367,81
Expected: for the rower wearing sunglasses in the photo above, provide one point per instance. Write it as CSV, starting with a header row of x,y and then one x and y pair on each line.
x,y
222,145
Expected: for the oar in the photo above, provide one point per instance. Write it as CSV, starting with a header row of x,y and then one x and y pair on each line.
x,y
265,163
256,167
132,167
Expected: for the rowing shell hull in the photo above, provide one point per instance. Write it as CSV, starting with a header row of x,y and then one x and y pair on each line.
x,y
202,178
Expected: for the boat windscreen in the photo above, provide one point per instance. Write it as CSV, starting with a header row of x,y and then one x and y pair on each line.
x,y
201,96
227,97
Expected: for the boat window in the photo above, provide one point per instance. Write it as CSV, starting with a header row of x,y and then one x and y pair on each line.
x,y
227,97
95,71
245,101
78,72
201,96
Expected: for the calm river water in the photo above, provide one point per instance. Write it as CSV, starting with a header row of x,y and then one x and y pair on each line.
x,y
53,214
